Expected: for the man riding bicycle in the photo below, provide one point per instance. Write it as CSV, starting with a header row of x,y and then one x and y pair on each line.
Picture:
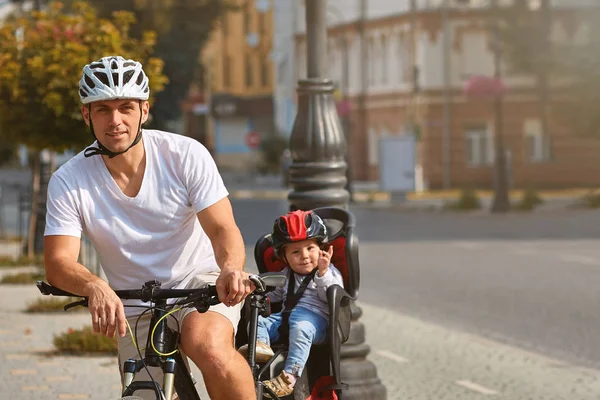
x,y
154,206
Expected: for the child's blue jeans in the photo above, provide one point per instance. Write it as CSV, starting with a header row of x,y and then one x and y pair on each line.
x,y
306,328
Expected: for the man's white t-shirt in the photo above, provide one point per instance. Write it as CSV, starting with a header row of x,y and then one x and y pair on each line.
x,y
154,235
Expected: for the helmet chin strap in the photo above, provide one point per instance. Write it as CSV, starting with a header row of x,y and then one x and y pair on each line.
x,y
101,149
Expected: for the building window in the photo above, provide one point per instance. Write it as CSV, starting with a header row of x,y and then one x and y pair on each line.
x,y
249,72
262,23
384,60
537,147
405,58
247,17
282,69
224,25
227,71
373,143
372,55
480,146
264,72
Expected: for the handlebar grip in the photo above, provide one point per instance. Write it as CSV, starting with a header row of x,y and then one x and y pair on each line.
x,y
47,289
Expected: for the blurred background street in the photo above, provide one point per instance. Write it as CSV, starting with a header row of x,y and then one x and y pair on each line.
x,y
464,135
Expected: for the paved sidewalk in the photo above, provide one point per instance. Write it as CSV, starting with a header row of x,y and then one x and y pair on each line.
x,y
414,359
31,370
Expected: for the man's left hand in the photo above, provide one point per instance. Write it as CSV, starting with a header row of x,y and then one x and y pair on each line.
x,y
233,286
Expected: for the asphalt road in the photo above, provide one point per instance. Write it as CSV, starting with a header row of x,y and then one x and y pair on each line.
x,y
528,280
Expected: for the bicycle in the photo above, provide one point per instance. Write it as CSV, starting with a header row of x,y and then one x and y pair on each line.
x,y
162,342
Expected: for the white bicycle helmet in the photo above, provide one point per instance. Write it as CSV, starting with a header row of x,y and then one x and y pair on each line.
x,y
112,78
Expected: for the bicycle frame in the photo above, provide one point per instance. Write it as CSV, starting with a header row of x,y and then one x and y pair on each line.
x,y
176,374
258,305
164,340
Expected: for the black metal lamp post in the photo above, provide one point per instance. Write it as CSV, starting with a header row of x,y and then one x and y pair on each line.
x,y
318,178
317,143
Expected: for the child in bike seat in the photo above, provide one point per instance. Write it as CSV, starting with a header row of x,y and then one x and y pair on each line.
x,y
299,239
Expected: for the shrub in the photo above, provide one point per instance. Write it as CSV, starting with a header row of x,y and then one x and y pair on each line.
x,y
272,148
529,200
21,261
84,341
467,200
591,199
23,277
52,304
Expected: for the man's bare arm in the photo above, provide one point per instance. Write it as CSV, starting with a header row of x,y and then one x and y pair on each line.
x,y
64,272
220,227
219,224
62,268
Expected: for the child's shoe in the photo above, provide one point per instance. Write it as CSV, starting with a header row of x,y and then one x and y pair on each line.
x,y
282,385
263,352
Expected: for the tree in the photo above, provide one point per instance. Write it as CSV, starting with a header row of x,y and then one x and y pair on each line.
x,y
530,49
183,27
577,64
41,56
524,39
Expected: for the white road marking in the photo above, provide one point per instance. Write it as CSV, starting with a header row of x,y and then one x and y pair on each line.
x,y
468,245
476,387
391,356
525,252
576,258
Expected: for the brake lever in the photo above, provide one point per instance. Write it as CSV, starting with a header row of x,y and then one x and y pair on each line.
x,y
258,283
83,303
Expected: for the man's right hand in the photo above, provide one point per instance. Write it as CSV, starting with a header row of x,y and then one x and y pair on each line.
x,y
106,309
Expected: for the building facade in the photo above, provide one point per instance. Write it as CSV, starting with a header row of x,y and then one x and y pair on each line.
x,y
403,71
284,62
240,83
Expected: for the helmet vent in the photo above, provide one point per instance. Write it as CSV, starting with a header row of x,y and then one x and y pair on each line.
x,y
102,77
127,76
89,82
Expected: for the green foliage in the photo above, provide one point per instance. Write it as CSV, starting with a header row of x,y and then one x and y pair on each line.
x,y
467,201
581,64
21,261
84,341
8,153
523,38
23,277
272,148
41,57
183,28
52,304
591,200
528,48
529,200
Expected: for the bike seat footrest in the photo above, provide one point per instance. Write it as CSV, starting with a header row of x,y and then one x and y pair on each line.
x,y
335,386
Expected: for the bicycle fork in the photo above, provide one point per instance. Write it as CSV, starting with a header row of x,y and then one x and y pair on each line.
x,y
258,306
132,367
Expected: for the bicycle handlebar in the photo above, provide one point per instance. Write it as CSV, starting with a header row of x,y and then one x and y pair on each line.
x,y
150,292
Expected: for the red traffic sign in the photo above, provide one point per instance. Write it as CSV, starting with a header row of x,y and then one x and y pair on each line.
x,y
253,140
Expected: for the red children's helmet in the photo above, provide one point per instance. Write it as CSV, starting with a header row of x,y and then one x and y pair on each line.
x,y
296,226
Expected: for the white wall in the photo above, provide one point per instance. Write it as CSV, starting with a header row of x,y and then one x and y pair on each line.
x,y
284,63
